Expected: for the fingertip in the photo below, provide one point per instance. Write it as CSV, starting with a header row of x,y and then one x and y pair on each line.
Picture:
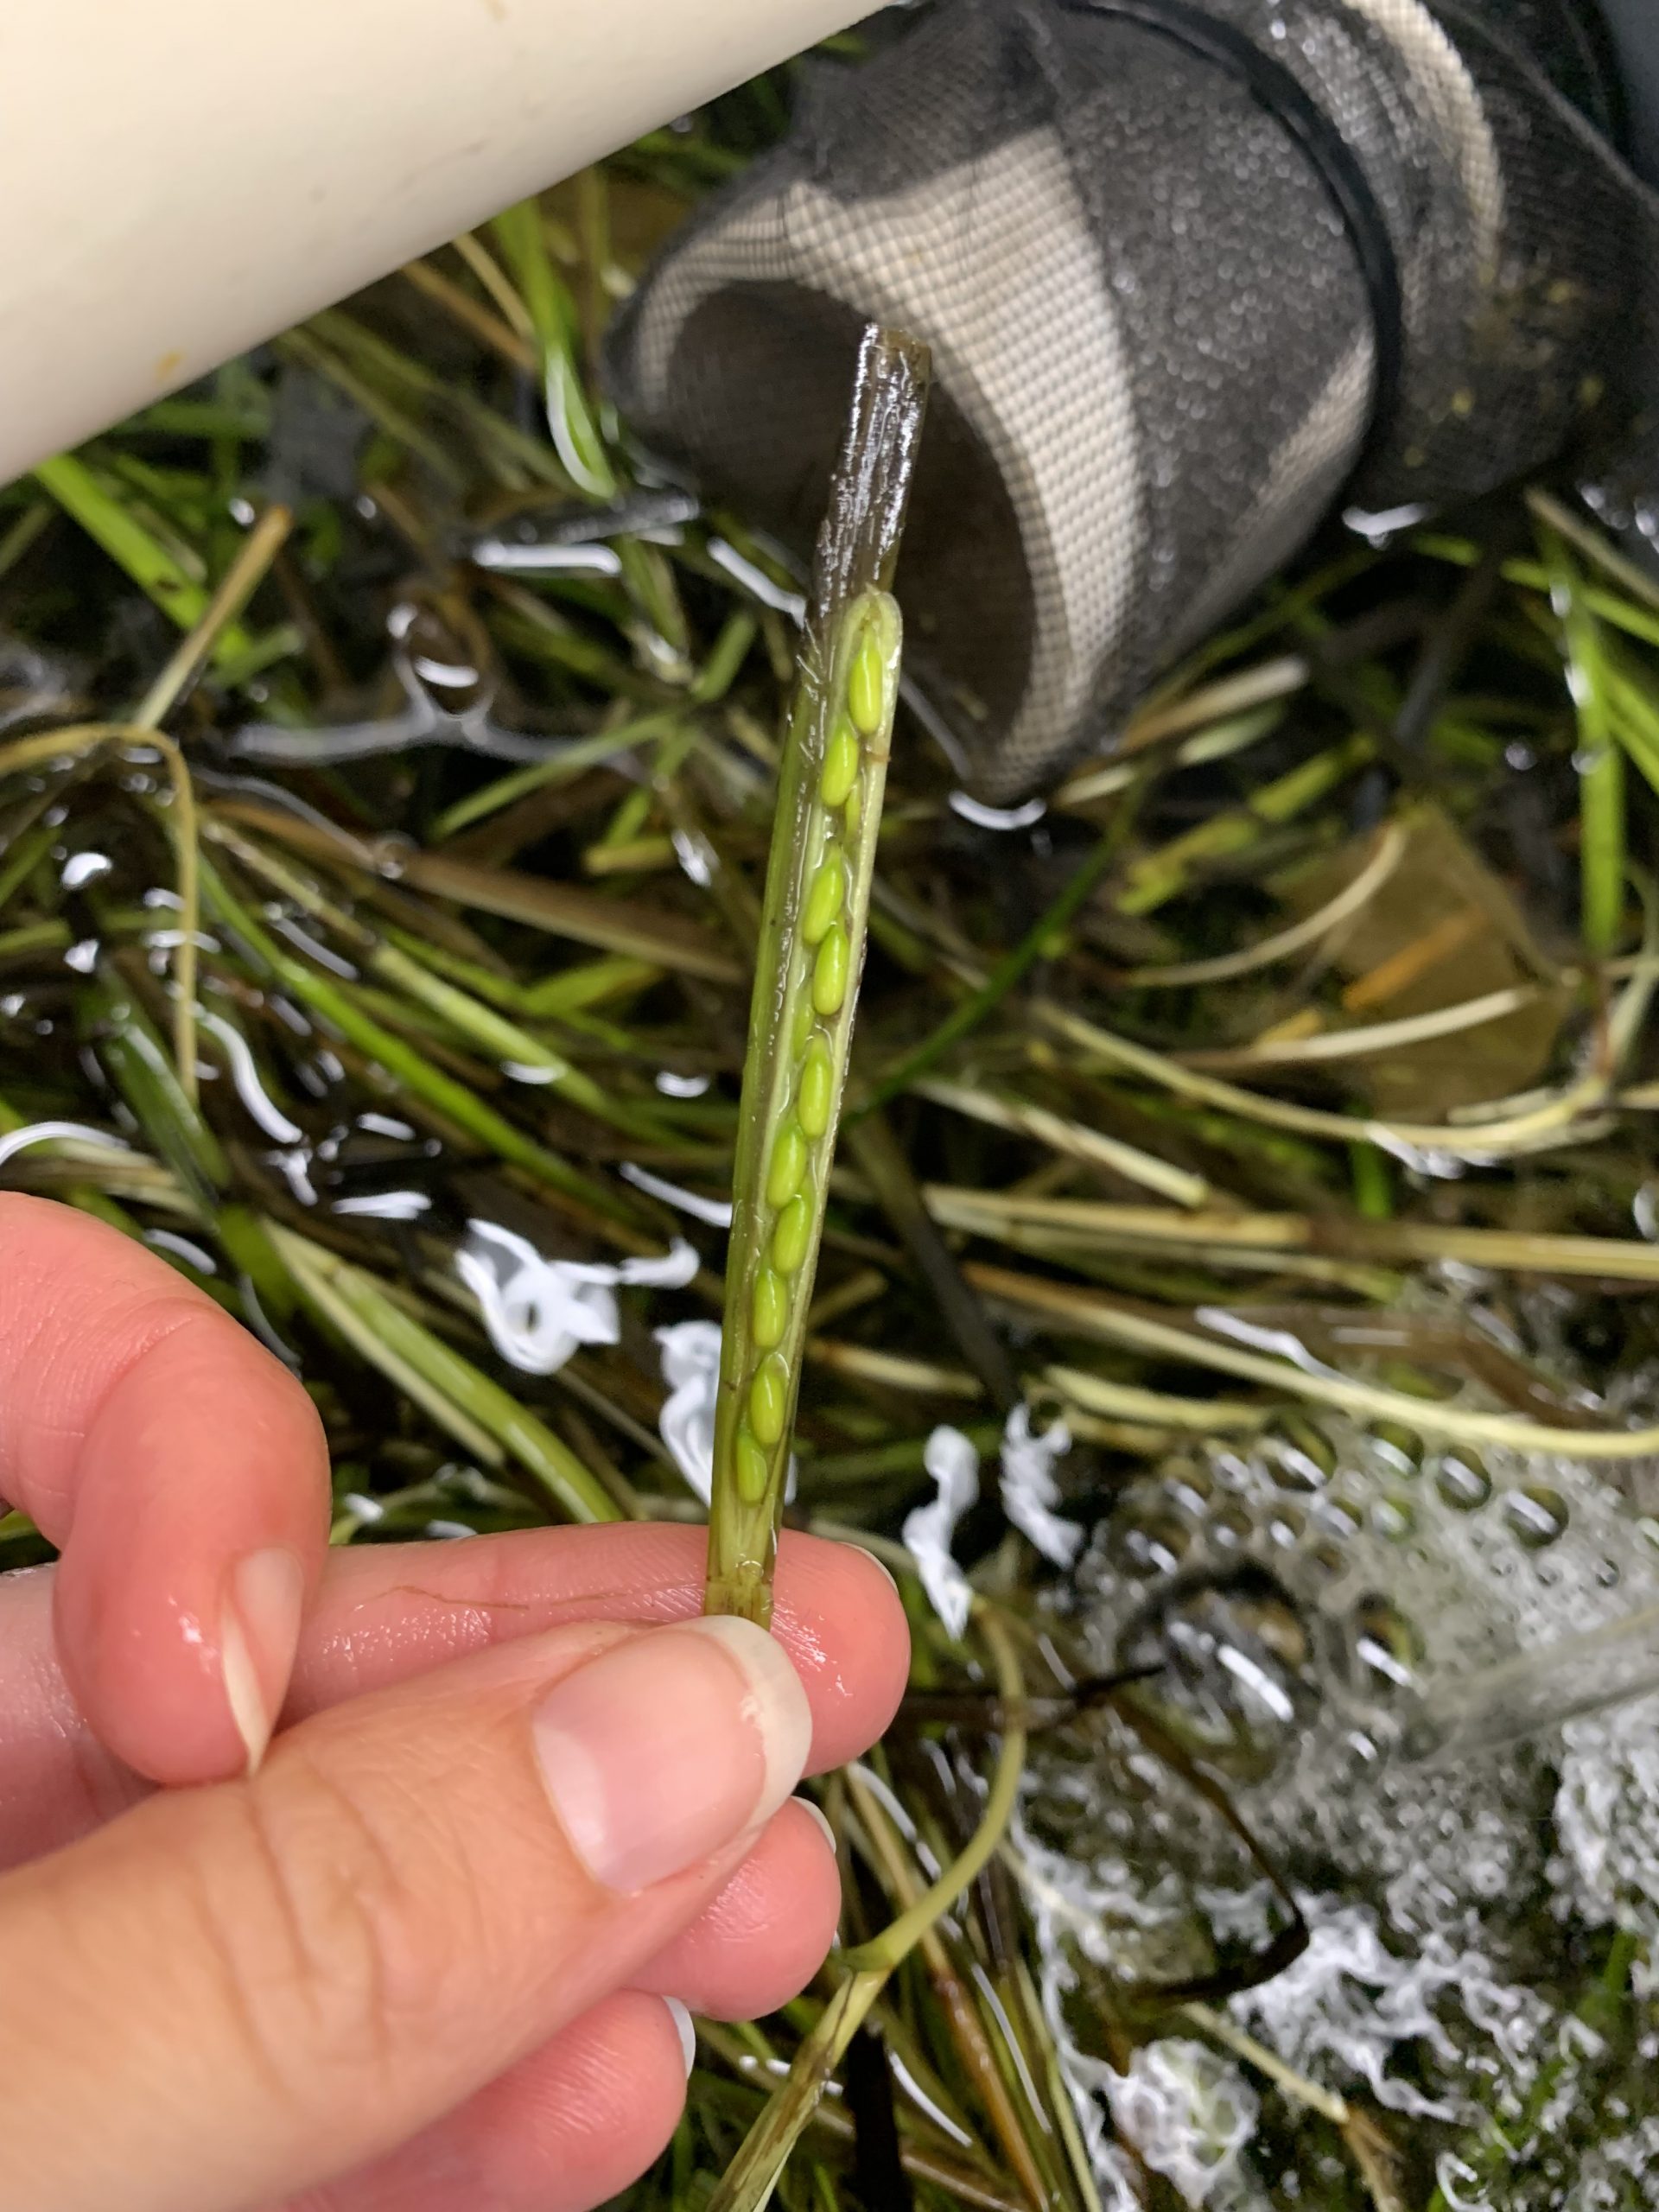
x,y
158,1444
570,2127
760,1940
200,1524
685,2028
390,1611
839,1615
816,1815
579,2121
264,1597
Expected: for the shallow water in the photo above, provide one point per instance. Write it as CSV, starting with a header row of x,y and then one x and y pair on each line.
x,y
1326,1604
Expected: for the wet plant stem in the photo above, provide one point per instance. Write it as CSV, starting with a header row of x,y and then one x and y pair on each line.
x,y
85,496
1076,1220
1600,760
519,234
484,1028
479,1413
241,580
966,2028
181,823
1174,868
749,2181
1092,1316
881,1160
831,779
1008,971
215,622
336,1005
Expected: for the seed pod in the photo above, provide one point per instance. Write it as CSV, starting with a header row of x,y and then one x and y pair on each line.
x,y
753,1468
812,936
840,765
769,1398
817,1094
788,1167
866,688
826,901
792,1234
826,889
830,972
771,1308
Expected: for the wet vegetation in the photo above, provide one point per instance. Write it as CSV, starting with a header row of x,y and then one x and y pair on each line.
x,y
388,761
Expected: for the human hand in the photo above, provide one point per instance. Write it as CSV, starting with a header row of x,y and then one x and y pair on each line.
x,y
416,1959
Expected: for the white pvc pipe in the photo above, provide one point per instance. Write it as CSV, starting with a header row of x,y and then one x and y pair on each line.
x,y
180,179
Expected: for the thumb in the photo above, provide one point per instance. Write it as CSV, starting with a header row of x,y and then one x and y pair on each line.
x,y
238,1991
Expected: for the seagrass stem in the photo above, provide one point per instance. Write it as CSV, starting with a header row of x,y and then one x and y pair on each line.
x,y
811,949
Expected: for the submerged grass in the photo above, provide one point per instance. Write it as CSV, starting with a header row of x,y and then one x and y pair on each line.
x,y
424,890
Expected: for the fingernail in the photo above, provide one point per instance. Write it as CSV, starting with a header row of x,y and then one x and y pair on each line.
x,y
820,1824
686,2032
257,1636
892,1578
670,1745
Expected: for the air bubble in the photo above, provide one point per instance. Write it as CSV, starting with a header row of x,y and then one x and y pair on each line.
x,y
1154,1543
1384,1646
1538,1514
1400,1448
1394,1518
1463,1482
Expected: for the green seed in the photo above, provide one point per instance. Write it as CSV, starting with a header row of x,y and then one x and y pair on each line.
x,y
789,1237
753,1468
768,1397
825,897
867,684
806,1022
771,1308
855,809
788,1167
840,763
829,971
812,1101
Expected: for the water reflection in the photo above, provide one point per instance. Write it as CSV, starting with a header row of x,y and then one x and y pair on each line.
x,y
447,699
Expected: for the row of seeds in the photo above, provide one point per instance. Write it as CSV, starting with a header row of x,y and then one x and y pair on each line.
x,y
804,1137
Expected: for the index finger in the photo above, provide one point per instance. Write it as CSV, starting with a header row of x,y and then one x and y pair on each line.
x,y
183,1473
386,1612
